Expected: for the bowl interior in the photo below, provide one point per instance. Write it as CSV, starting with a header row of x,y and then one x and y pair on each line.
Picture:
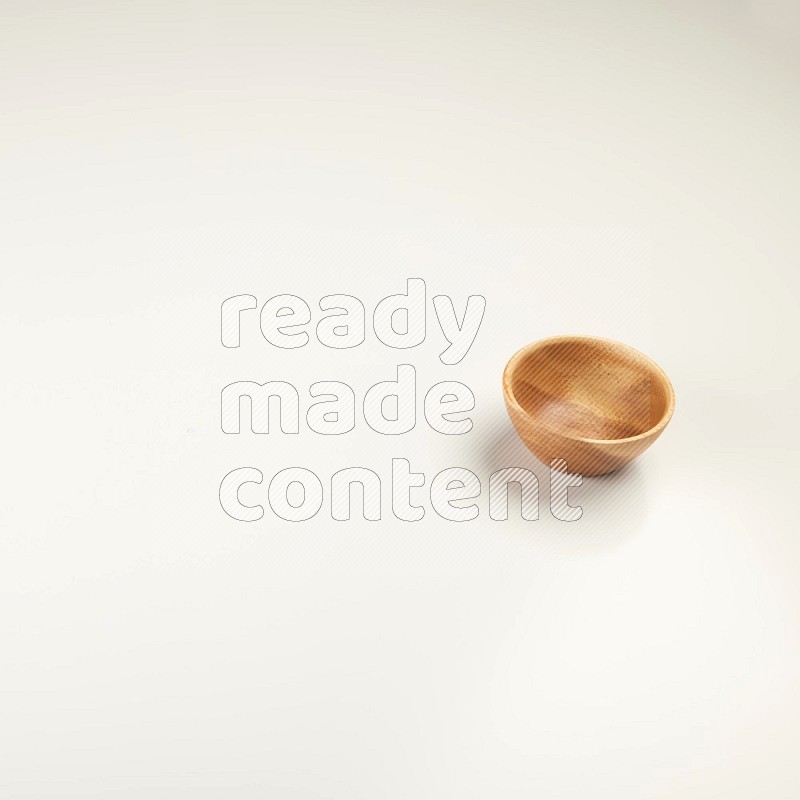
x,y
590,388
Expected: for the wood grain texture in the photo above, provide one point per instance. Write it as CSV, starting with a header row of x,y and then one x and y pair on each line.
x,y
595,403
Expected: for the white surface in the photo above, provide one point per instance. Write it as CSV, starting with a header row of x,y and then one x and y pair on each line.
x,y
611,168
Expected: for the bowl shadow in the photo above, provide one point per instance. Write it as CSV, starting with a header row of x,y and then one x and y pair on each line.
x,y
614,505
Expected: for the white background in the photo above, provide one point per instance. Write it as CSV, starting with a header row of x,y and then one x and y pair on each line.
x,y
622,169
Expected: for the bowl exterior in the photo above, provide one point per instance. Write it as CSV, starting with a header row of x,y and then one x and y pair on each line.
x,y
585,458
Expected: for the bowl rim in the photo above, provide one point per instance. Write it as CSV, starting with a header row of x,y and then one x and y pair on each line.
x,y
525,351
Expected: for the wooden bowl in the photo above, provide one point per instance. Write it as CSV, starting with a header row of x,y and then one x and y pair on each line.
x,y
593,402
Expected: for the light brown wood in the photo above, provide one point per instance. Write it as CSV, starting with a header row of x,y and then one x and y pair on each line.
x,y
595,403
